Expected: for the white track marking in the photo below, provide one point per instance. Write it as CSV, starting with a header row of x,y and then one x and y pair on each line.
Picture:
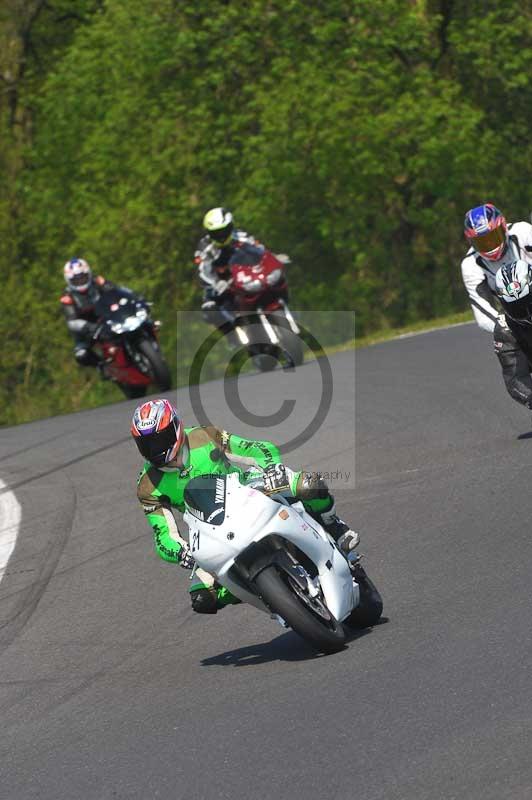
x,y
9,525
429,330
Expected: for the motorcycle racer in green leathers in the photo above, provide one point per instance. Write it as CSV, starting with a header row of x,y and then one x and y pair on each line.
x,y
175,454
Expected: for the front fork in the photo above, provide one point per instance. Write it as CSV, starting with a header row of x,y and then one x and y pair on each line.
x,y
290,317
268,327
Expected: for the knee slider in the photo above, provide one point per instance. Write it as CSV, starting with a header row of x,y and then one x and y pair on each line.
x,y
203,601
312,487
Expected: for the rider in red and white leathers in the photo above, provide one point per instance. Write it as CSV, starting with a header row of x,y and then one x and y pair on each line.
x,y
494,244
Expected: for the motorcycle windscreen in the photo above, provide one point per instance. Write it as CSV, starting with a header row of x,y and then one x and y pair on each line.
x,y
248,255
115,305
205,499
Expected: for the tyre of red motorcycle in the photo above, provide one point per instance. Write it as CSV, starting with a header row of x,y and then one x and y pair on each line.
x,y
265,362
260,348
292,344
132,391
158,367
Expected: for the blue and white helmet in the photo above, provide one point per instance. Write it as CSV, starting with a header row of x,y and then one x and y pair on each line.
x,y
486,229
514,289
78,274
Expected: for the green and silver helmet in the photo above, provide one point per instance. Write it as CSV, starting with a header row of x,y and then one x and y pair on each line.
x,y
218,222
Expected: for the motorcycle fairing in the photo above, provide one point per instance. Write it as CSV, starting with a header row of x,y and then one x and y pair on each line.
x,y
251,519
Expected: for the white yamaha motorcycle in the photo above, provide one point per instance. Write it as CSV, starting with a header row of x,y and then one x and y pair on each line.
x,y
269,552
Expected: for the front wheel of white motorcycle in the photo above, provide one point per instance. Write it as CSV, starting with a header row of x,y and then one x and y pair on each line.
x,y
307,616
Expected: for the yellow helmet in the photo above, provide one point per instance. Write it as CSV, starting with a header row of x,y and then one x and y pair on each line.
x,y
218,222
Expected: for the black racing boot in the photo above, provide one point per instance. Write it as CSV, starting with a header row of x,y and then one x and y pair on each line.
x,y
346,538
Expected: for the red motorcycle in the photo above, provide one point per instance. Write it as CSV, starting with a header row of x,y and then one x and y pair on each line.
x,y
264,323
126,341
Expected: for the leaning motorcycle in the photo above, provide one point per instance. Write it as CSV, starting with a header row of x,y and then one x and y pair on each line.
x,y
269,552
126,342
264,325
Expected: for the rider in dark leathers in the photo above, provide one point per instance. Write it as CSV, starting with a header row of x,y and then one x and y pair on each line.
x,y
82,292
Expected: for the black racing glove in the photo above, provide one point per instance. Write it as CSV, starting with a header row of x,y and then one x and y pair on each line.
x,y
186,559
221,287
275,479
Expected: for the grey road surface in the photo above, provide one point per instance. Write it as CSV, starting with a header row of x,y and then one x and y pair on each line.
x,y
110,687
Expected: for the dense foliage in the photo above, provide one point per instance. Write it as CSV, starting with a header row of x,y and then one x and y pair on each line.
x,y
352,135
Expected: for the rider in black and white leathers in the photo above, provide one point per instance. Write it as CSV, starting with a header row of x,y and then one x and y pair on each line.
x,y
479,279
212,257
212,261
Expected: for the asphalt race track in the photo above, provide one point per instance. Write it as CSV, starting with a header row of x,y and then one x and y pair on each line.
x,y
110,687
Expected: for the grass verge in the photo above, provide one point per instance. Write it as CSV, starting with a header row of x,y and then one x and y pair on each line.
x,y
393,333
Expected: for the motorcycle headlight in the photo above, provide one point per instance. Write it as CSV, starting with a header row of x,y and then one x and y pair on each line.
x,y
142,314
116,327
253,286
274,277
131,323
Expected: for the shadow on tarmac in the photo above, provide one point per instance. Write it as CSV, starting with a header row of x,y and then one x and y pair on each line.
x,y
287,647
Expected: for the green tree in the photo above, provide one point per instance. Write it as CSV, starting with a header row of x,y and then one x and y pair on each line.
x,y
351,135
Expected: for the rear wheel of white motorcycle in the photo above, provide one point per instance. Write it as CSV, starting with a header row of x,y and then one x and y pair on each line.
x,y
308,617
